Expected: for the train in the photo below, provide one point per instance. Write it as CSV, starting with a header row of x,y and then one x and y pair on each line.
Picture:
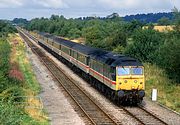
x,y
119,77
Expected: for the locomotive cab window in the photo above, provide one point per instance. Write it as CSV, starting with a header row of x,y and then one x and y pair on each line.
x,y
123,71
136,71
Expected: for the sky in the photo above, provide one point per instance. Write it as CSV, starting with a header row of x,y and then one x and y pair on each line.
x,y
30,9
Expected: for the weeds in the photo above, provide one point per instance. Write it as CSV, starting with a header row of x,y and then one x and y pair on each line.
x,y
168,91
12,90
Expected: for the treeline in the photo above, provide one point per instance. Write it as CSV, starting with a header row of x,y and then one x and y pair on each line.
x,y
115,34
150,17
106,34
5,28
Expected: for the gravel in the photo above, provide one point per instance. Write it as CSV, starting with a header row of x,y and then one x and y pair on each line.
x,y
165,114
55,103
168,116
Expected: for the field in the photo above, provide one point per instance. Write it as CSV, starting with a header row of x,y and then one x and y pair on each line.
x,y
161,28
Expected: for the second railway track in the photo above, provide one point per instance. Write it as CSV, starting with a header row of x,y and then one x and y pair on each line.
x,y
143,116
94,113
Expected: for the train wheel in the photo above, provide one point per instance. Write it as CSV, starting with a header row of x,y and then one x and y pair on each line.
x,y
113,96
102,89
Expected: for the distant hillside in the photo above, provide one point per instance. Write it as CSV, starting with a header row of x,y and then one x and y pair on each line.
x,y
149,18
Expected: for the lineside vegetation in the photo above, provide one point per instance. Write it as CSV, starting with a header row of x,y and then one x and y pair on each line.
x,y
155,49
16,82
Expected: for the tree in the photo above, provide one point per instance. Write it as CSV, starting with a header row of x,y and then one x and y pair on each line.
x,y
132,26
93,35
54,17
176,14
74,33
164,21
168,57
146,43
5,28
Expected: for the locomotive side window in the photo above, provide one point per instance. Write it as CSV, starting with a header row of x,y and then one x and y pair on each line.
x,y
113,74
107,71
99,67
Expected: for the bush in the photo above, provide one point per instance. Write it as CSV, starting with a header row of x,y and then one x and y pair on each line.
x,y
146,43
168,57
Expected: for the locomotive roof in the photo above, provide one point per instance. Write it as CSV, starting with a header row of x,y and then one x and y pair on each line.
x,y
106,57
114,59
87,50
126,61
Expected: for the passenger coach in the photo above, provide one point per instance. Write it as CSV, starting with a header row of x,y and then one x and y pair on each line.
x,y
118,76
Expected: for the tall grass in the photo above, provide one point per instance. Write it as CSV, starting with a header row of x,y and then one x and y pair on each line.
x,y
11,93
168,91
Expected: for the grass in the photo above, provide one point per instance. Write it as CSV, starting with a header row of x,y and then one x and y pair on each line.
x,y
31,85
19,102
168,91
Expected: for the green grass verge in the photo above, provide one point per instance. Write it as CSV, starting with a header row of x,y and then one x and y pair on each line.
x,y
168,91
30,79
12,90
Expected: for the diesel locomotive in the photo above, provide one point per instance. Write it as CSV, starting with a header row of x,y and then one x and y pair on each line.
x,y
118,76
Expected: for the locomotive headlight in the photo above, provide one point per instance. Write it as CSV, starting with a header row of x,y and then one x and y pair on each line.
x,y
125,81
135,81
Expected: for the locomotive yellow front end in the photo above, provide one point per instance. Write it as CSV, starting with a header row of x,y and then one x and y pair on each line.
x,y
130,83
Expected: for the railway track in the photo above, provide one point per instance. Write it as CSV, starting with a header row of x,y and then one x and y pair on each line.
x,y
88,106
143,116
93,112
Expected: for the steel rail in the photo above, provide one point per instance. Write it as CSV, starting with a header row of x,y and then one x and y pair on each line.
x,y
94,110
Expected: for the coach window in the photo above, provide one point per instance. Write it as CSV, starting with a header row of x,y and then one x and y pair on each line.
x,y
108,71
80,57
66,50
90,63
101,68
85,60
94,64
104,70
56,45
97,66
75,55
72,53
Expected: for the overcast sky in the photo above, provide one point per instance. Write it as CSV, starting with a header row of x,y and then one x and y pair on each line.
x,y
29,9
